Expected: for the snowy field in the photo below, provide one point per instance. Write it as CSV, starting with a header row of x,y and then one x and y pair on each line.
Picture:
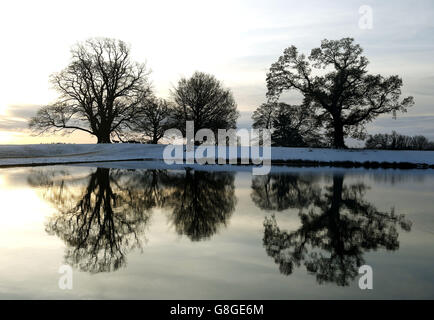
x,y
14,155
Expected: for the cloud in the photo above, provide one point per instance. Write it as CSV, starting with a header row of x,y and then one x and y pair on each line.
x,y
416,125
16,118
22,111
8,124
423,86
235,40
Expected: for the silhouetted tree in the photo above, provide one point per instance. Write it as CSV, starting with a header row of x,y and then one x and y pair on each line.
x,y
100,91
345,97
336,231
204,100
201,201
294,127
291,126
286,133
264,116
155,119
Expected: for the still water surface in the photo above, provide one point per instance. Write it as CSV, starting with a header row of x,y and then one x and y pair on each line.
x,y
189,234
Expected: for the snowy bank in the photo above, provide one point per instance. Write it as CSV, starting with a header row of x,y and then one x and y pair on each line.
x,y
17,155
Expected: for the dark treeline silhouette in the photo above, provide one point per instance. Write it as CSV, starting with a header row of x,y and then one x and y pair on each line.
x,y
201,98
337,226
292,126
395,141
103,216
106,94
342,99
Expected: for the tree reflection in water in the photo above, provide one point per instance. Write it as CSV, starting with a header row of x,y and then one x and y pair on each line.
x,y
201,202
103,216
337,226
283,191
99,219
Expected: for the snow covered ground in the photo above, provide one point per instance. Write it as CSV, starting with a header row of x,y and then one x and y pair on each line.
x,y
11,155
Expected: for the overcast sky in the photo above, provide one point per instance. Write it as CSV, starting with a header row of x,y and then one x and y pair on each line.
x,y
235,40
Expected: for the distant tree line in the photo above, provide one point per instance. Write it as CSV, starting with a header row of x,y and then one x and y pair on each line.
x,y
395,141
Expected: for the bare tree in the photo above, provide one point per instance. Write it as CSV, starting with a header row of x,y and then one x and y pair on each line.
x,y
204,100
335,83
100,92
156,118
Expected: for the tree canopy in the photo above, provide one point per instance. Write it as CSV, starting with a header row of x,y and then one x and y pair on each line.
x,y
291,125
155,119
336,86
100,91
204,100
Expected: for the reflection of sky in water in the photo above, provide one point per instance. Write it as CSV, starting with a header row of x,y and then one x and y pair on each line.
x,y
202,234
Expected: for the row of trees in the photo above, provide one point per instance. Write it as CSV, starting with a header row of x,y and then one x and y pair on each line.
x,y
104,93
339,95
395,141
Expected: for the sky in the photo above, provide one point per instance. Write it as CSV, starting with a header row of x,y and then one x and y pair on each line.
x,y
237,41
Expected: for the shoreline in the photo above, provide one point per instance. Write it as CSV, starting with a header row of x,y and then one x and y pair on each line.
x,y
69,154
281,163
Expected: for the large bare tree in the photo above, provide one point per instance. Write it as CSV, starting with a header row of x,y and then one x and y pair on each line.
x,y
335,84
100,91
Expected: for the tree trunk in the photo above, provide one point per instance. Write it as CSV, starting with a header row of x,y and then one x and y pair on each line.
x,y
104,137
338,135
155,138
